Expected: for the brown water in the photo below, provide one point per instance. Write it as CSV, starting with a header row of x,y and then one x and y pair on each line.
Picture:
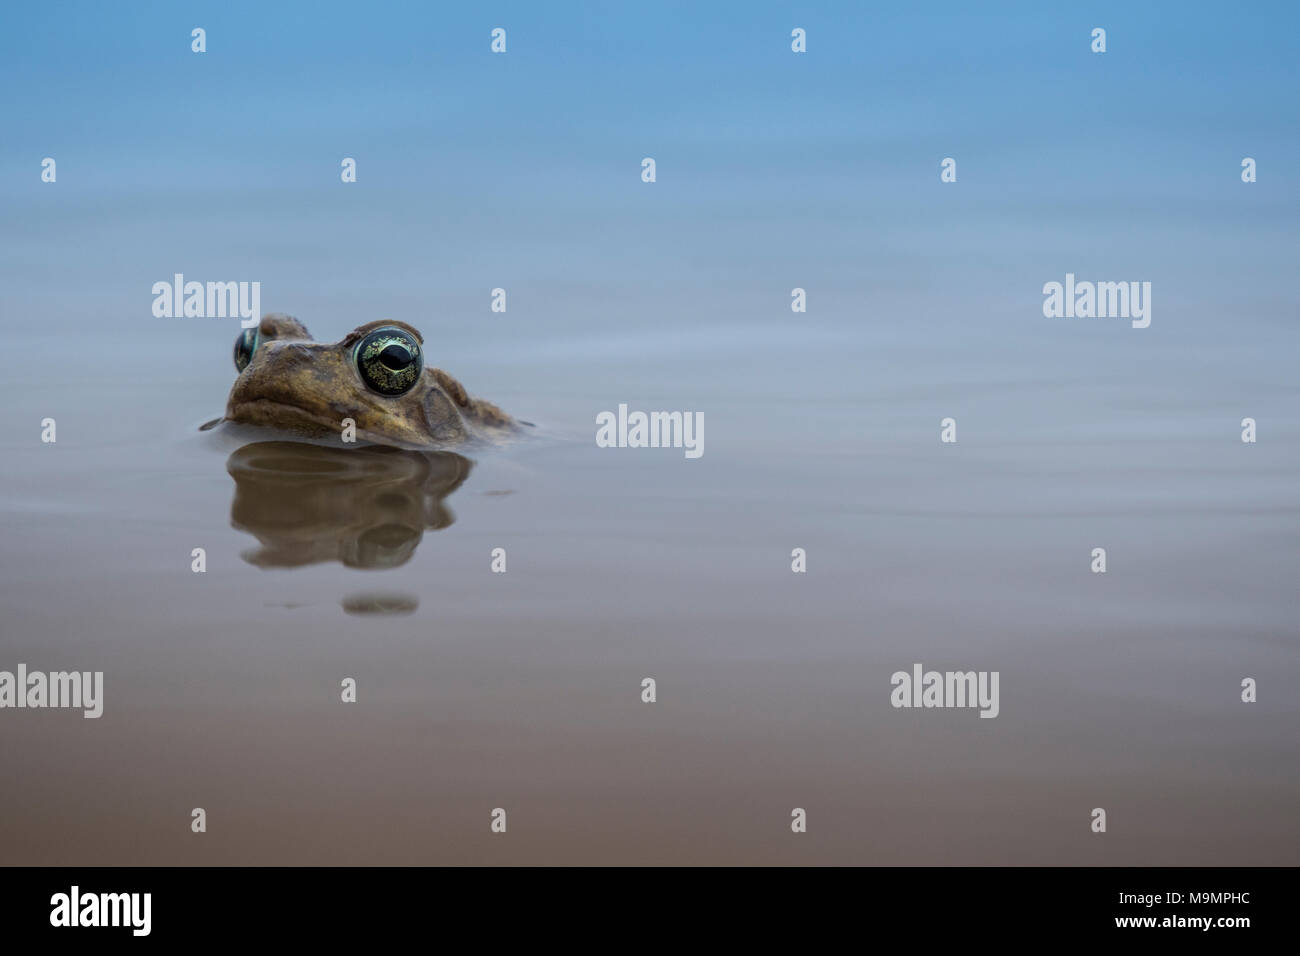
x,y
478,690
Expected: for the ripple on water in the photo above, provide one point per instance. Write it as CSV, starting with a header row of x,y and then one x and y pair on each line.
x,y
373,602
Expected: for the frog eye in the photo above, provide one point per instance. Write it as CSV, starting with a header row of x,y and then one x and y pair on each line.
x,y
245,346
389,360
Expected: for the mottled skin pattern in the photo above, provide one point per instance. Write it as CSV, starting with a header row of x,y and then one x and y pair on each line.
x,y
296,384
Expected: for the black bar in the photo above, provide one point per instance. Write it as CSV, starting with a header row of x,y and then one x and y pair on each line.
x,y
986,904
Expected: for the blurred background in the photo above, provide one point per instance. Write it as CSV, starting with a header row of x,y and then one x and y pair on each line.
x,y
775,170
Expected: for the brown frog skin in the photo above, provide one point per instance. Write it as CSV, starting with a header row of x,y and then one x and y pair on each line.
x,y
296,384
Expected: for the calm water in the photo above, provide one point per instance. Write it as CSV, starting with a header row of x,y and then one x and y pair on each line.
x,y
522,690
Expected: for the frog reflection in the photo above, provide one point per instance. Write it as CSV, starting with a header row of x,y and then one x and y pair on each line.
x,y
363,506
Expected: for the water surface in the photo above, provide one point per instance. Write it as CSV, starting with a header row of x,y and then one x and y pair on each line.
x,y
522,690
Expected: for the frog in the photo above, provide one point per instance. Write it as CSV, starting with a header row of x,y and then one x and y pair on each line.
x,y
374,378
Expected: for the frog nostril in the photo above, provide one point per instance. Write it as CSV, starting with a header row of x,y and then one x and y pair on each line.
x,y
288,351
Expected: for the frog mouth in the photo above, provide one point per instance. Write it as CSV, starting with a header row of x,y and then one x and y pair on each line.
x,y
273,414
